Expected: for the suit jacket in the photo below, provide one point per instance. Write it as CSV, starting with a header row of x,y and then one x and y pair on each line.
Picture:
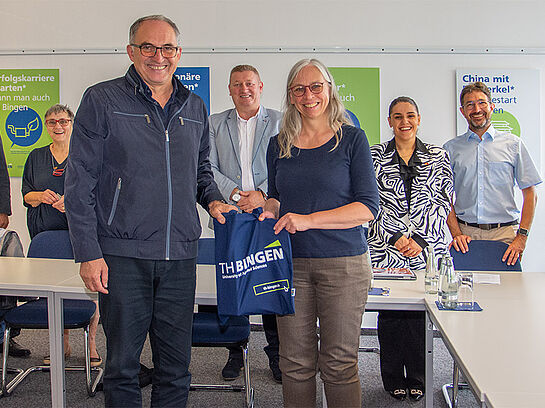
x,y
225,154
431,196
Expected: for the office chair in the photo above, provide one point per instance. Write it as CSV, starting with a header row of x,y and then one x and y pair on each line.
x,y
207,252
33,315
482,256
209,332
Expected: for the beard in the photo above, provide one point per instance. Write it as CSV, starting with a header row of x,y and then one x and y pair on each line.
x,y
481,125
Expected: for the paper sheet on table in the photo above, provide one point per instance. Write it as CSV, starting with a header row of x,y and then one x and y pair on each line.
x,y
490,278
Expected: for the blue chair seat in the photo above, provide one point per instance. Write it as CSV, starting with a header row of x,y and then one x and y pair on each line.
x,y
207,330
33,315
207,252
483,255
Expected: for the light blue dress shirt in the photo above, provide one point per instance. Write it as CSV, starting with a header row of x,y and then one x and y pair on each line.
x,y
485,172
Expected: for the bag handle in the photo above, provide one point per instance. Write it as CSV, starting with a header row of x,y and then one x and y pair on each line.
x,y
256,212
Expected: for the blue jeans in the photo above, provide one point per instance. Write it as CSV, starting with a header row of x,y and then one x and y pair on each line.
x,y
154,297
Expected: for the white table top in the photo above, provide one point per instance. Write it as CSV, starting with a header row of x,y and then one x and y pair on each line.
x,y
42,274
63,276
501,349
515,399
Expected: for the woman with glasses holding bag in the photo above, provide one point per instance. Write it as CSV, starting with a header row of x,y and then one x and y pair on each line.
x,y
322,188
43,194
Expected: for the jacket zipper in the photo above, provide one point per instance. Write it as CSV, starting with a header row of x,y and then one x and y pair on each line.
x,y
138,115
169,176
114,203
189,120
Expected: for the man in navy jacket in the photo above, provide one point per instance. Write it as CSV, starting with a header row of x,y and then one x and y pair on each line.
x,y
138,164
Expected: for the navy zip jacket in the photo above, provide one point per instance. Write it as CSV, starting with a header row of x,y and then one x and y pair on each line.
x,y
133,176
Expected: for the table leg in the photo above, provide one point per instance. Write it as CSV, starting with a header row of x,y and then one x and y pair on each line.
x,y
429,362
56,324
455,381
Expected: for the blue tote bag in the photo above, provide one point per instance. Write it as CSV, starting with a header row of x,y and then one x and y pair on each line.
x,y
254,269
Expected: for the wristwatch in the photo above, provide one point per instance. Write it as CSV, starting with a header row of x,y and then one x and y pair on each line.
x,y
523,231
236,197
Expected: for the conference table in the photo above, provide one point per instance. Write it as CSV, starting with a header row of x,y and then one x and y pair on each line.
x,y
499,350
57,280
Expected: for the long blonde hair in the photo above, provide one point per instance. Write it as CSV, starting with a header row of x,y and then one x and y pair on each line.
x,y
291,121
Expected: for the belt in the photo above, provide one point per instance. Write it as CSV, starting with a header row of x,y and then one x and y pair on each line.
x,y
488,227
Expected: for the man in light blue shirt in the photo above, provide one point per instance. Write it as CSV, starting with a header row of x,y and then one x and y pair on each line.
x,y
486,164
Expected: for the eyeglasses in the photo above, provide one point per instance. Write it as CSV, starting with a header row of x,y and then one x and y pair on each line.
x,y
481,102
148,50
53,122
315,88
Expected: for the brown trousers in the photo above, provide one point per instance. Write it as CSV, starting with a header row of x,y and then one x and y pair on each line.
x,y
503,234
334,291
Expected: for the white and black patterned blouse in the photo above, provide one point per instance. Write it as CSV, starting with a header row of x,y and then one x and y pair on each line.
x,y
424,217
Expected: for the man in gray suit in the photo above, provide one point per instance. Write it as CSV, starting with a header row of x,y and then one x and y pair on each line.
x,y
239,139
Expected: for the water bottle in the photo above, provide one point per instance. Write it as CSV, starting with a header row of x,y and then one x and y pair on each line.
x,y
440,275
431,278
448,284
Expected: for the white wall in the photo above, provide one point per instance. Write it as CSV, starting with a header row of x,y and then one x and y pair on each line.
x,y
468,27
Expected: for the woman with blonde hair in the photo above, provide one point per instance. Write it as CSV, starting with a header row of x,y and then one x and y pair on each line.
x,y
322,188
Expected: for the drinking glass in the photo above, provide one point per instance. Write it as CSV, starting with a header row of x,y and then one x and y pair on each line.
x,y
465,291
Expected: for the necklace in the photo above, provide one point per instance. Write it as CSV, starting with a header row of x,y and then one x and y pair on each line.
x,y
57,170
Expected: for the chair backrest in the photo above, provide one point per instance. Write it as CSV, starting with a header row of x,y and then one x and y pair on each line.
x,y
207,252
10,244
483,256
51,244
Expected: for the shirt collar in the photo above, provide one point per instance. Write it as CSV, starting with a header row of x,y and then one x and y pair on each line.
x,y
143,87
249,119
420,147
489,134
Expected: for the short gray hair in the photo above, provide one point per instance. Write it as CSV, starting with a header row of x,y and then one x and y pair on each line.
x,y
291,121
58,108
155,17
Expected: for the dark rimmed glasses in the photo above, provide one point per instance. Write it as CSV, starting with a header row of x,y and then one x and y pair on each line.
x,y
148,50
315,88
481,103
53,122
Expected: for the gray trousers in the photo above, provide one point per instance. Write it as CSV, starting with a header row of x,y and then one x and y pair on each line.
x,y
334,291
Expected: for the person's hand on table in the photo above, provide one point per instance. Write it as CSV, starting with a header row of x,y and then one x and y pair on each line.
x,y
515,250
95,275
459,242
